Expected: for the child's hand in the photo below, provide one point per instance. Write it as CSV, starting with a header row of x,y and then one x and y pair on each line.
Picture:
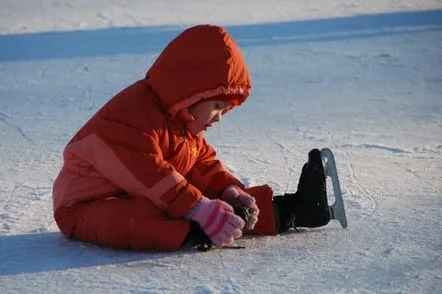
x,y
236,197
218,220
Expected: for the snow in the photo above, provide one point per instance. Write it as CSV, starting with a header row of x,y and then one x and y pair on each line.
x,y
363,78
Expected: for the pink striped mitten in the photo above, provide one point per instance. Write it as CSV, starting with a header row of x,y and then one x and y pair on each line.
x,y
217,219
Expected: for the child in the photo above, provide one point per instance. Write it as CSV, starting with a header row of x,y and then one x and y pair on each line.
x,y
139,174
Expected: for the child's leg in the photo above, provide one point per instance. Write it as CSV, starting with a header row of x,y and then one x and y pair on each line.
x,y
124,223
308,207
266,224
276,214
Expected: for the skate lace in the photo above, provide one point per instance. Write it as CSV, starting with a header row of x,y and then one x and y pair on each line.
x,y
207,246
291,223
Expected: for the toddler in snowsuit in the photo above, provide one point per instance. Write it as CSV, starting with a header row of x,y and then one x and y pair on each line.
x,y
139,174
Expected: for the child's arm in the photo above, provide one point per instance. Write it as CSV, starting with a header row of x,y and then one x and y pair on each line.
x,y
209,175
133,161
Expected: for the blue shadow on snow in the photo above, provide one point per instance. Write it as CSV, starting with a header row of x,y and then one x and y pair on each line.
x,y
43,252
148,40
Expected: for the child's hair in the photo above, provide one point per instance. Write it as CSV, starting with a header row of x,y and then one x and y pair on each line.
x,y
233,99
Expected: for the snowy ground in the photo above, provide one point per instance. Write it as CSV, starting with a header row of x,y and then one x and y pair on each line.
x,y
363,78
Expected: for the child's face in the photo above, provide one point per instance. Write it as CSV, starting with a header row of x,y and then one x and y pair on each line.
x,y
206,113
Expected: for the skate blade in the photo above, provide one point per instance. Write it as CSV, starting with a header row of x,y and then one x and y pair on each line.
x,y
337,210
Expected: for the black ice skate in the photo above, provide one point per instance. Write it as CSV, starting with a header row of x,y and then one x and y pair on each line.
x,y
311,208
308,207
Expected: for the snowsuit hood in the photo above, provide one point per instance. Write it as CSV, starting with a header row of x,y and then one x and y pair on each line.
x,y
202,62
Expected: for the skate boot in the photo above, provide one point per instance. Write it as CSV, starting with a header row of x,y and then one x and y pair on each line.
x,y
308,207
310,203
284,211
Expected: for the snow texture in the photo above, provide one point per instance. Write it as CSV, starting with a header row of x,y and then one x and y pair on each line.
x,y
363,78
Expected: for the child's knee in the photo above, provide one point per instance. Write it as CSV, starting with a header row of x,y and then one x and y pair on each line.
x,y
67,219
122,224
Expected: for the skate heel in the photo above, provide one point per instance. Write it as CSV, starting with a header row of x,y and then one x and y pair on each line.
x,y
337,210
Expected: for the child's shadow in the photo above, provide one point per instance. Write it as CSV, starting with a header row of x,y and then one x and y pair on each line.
x,y
42,252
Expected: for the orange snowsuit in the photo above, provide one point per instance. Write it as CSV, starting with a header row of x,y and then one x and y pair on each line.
x,y
132,172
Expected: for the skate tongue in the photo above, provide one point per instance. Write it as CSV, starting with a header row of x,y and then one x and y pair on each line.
x,y
314,155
